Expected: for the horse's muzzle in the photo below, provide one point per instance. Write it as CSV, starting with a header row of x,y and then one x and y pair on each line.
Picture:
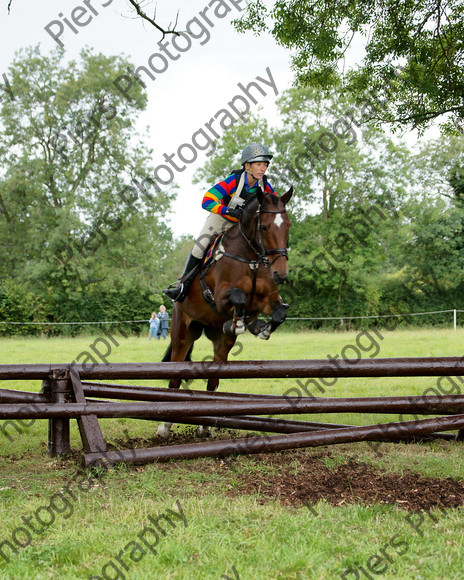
x,y
278,279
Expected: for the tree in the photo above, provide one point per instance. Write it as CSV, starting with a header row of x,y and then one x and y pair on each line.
x,y
423,38
80,213
432,253
441,166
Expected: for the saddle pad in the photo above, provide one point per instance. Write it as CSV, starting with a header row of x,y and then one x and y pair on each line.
x,y
211,250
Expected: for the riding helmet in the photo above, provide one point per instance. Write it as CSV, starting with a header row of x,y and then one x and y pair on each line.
x,y
256,152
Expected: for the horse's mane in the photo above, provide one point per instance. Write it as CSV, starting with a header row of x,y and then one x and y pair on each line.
x,y
250,203
250,208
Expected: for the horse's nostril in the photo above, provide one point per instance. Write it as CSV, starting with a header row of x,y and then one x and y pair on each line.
x,y
278,279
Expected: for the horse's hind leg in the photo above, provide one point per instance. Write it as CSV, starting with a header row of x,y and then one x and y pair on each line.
x,y
222,346
183,336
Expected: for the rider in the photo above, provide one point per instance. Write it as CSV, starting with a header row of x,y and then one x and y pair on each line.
x,y
224,201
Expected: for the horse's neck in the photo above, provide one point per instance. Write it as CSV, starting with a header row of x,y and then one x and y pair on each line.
x,y
236,238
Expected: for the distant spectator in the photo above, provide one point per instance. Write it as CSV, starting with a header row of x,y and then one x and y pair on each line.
x,y
154,325
163,317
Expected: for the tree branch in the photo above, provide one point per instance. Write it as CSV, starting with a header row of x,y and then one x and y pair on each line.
x,y
144,16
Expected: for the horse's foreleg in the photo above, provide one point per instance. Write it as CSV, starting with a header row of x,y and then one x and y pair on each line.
x,y
265,329
236,325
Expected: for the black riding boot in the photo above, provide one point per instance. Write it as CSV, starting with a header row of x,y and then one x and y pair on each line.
x,y
178,291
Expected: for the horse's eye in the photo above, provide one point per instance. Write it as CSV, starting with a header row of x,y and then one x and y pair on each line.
x,y
264,228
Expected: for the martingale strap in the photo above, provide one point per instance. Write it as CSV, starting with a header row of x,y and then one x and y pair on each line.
x,y
207,292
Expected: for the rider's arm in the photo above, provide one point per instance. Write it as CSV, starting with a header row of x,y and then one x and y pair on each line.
x,y
214,198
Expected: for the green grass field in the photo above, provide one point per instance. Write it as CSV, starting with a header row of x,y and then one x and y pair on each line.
x,y
192,519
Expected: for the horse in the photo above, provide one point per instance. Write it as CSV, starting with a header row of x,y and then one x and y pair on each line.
x,y
240,283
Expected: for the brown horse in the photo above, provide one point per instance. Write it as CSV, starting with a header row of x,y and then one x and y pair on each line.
x,y
241,283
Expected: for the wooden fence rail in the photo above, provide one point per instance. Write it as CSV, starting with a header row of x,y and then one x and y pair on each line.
x,y
67,393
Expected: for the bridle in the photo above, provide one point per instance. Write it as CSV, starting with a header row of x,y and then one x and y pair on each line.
x,y
260,250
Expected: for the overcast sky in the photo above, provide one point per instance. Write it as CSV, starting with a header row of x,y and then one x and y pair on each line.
x,y
192,89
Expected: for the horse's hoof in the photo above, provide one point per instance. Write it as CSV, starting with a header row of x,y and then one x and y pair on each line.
x,y
265,334
203,431
232,328
163,431
240,327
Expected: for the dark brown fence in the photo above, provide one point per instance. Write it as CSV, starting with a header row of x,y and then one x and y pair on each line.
x,y
67,393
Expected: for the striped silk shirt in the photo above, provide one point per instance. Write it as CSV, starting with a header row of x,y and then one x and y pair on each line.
x,y
217,198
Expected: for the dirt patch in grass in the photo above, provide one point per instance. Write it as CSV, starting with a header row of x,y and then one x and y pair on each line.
x,y
304,477
303,480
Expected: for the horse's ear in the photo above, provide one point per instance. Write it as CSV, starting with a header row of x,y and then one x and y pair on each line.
x,y
286,196
260,195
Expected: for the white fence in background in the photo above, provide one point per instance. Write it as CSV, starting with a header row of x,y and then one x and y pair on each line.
x,y
145,320
454,311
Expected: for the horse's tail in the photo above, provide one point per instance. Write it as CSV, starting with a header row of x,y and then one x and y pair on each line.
x,y
167,354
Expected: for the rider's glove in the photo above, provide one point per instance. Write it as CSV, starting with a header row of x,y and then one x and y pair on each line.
x,y
235,212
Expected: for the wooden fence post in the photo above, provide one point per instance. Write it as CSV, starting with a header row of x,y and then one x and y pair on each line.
x,y
59,387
